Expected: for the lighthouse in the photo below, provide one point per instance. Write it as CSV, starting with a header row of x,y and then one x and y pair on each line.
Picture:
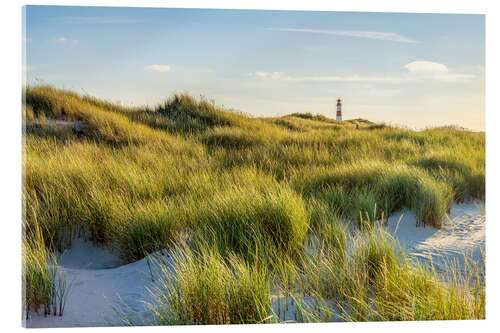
x,y
339,109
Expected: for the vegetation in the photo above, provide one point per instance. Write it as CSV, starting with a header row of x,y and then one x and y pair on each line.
x,y
209,289
378,283
375,282
43,287
248,196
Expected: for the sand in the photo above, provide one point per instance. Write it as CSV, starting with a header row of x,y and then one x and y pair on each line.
x,y
98,285
463,232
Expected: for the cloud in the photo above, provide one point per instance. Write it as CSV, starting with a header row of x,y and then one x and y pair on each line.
x,y
452,78
350,78
158,68
389,36
421,74
64,40
426,67
28,68
436,71
331,78
273,75
99,19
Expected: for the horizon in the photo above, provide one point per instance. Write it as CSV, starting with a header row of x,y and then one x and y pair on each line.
x,y
410,70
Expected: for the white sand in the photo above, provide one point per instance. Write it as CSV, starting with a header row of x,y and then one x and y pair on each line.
x,y
98,285
95,289
463,232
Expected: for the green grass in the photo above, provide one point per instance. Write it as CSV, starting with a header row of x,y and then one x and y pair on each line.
x,y
374,282
256,190
43,287
377,282
205,288
246,220
366,184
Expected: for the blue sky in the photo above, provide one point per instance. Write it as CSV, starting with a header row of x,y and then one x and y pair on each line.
x,y
416,70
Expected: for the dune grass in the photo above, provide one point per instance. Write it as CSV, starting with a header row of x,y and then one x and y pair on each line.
x,y
377,282
140,179
368,184
43,287
247,222
374,281
206,288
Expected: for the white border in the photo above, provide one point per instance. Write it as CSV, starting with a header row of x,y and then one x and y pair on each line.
x,y
10,20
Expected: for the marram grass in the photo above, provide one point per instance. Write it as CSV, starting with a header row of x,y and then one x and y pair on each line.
x,y
374,281
44,289
246,193
205,288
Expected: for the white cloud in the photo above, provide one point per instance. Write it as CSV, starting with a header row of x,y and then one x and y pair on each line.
x,y
99,19
389,36
436,71
158,68
28,68
426,67
421,76
64,40
350,78
449,77
418,71
273,75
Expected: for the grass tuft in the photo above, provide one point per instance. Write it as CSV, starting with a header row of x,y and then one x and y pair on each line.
x,y
204,288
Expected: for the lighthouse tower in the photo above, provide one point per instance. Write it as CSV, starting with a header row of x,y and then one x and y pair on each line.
x,y
339,109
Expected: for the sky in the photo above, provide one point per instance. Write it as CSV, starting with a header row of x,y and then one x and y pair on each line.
x,y
413,70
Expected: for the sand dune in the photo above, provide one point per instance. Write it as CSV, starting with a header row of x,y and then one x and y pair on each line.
x,y
98,286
